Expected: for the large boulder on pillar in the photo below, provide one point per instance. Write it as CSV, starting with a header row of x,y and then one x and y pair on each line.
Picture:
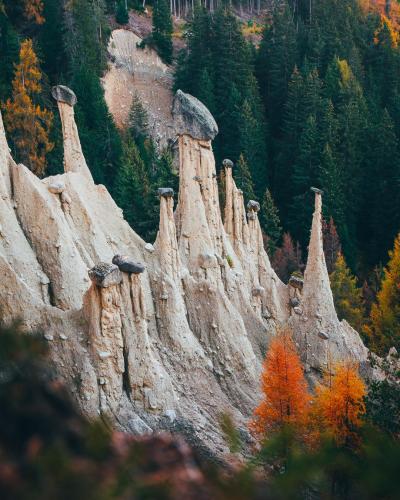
x,y
191,117
63,94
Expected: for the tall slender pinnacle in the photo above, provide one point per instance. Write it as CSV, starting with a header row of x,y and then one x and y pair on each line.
x,y
74,160
317,290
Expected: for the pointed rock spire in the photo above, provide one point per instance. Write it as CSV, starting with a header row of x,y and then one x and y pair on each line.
x,y
317,294
74,160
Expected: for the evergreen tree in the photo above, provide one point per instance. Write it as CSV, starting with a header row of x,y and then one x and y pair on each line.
x,y
138,119
276,60
133,188
9,53
121,14
270,223
346,294
27,123
243,179
382,180
162,30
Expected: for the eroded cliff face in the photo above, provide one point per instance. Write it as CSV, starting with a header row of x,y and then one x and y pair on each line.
x,y
175,345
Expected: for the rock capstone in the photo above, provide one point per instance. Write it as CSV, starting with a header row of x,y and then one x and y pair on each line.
x,y
227,163
253,205
296,282
63,94
165,192
105,275
191,117
127,265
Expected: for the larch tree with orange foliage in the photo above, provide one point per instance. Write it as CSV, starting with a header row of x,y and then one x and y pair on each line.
x,y
286,400
27,123
339,404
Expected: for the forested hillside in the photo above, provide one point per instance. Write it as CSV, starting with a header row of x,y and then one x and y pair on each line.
x,y
315,103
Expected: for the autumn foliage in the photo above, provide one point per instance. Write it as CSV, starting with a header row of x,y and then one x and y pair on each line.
x,y
285,396
27,123
339,404
33,10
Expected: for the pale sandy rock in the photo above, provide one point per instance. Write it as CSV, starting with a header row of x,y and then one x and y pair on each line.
x,y
323,339
185,338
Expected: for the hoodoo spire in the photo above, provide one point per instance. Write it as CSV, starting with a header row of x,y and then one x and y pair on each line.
x,y
74,160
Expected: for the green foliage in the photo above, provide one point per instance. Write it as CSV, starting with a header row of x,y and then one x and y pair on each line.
x,y
121,14
162,30
383,406
243,179
346,295
270,222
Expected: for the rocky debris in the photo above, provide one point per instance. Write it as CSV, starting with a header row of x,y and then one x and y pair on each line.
x,y
191,117
323,335
227,163
63,94
165,192
253,206
105,275
56,187
296,282
127,265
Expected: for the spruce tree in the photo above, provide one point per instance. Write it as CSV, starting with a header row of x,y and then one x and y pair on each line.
x,y
270,222
162,30
121,13
243,179
138,118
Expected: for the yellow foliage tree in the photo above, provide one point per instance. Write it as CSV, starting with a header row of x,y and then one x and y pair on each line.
x,y
384,327
27,123
339,404
285,396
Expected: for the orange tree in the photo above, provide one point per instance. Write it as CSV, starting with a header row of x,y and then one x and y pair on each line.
x,y
27,123
339,404
286,399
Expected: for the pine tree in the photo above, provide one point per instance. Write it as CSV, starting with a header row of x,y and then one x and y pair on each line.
x,y
133,187
382,198
162,30
9,53
252,144
384,327
138,118
276,61
270,222
346,294
121,14
339,404
285,396
27,123
243,179
304,176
